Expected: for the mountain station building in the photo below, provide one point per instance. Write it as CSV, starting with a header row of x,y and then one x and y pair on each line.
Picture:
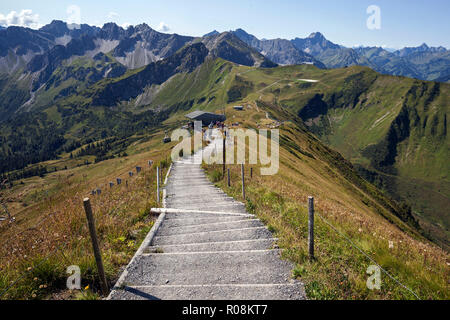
x,y
206,117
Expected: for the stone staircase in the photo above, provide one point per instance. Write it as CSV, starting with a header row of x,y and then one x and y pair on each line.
x,y
205,247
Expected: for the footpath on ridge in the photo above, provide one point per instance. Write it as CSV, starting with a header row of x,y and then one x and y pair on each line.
x,y
206,246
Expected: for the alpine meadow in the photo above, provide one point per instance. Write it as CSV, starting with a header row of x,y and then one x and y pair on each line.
x,y
87,115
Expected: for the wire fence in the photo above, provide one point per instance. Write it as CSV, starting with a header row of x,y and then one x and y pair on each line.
x,y
58,249
61,247
353,244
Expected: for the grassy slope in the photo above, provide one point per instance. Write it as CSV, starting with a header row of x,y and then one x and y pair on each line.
x,y
355,207
14,92
420,175
366,105
205,87
76,75
50,232
307,167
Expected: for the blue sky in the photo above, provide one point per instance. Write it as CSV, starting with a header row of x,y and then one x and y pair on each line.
x,y
403,22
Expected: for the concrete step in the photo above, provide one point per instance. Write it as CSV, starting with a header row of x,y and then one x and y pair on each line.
x,y
224,209
195,221
289,291
198,205
199,268
214,236
206,214
218,194
218,201
192,184
181,172
167,230
208,187
221,200
186,172
201,197
172,184
188,180
229,207
257,244
185,191
189,175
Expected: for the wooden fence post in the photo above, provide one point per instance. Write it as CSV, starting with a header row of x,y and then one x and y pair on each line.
x,y
223,153
157,184
243,181
311,227
229,180
97,253
6,210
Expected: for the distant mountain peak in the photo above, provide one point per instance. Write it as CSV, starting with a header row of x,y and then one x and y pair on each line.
x,y
423,48
111,31
314,44
110,25
55,22
143,27
56,27
212,33
240,30
245,36
278,50
316,35
224,35
227,45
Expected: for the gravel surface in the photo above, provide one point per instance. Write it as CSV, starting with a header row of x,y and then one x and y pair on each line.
x,y
207,256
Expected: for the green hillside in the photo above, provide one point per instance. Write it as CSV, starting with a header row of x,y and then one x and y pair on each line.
x,y
352,215
393,129
120,122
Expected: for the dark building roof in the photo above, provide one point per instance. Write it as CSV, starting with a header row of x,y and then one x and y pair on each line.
x,y
205,117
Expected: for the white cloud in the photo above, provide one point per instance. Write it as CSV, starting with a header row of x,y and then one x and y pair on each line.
x,y
163,27
113,15
26,18
74,16
125,25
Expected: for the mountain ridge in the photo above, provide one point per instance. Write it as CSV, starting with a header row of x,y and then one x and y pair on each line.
x,y
433,65
278,50
140,45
